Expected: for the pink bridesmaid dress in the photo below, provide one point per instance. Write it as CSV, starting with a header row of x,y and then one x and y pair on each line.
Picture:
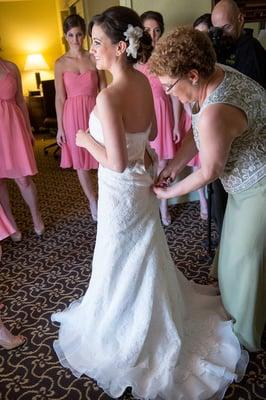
x,y
6,229
16,152
185,126
81,91
163,143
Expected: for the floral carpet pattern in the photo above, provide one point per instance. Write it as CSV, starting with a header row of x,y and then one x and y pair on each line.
x,y
42,275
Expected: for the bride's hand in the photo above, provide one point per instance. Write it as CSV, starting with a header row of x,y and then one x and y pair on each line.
x,y
82,138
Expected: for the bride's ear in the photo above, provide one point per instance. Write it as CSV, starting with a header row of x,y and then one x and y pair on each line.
x,y
121,48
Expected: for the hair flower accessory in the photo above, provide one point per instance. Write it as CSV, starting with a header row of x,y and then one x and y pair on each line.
x,y
133,34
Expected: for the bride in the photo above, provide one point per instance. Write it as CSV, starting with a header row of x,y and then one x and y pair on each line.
x,y
141,323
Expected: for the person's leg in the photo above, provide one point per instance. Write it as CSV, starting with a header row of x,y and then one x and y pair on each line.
x,y
7,340
4,200
87,186
165,215
29,194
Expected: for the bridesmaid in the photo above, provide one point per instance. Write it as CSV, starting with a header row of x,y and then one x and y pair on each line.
x,y
6,229
7,340
167,137
16,152
77,83
185,128
203,24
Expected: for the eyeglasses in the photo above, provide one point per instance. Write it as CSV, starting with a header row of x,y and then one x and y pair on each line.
x,y
169,88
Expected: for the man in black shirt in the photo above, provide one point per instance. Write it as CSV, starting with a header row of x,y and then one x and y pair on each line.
x,y
248,55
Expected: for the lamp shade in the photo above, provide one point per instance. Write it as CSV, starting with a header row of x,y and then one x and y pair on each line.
x,y
35,62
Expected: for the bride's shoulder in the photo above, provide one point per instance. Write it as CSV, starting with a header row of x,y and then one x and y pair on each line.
x,y
109,95
109,98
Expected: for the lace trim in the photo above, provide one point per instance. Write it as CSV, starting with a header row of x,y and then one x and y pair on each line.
x,y
231,186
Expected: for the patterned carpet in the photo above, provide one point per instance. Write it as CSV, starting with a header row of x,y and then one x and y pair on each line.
x,y
43,275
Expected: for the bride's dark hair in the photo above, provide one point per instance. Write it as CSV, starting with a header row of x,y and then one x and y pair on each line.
x,y
114,22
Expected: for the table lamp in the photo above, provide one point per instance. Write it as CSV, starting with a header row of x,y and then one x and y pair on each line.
x,y
36,62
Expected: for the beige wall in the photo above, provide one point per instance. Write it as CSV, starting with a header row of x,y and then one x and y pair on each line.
x,y
93,7
174,11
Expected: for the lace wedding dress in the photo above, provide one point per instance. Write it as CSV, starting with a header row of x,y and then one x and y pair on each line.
x,y
141,323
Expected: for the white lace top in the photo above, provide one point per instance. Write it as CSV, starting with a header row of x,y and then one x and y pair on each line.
x,y
246,163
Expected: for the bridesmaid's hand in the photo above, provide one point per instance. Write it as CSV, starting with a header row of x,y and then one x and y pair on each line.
x,y
82,138
60,138
176,135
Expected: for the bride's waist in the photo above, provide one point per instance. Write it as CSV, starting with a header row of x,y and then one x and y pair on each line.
x,y
135,171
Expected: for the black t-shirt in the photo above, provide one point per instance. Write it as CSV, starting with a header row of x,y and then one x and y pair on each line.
x,y
249,57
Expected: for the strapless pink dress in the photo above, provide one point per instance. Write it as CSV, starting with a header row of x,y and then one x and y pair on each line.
x,y
163,143
6,229
185,126
16,152
81,91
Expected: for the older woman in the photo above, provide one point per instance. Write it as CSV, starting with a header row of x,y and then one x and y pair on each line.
x,y
229,124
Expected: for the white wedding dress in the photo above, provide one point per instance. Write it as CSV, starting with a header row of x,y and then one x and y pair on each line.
x,y
141,323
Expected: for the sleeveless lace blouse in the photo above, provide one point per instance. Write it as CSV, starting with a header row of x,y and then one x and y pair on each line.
x,y
246,163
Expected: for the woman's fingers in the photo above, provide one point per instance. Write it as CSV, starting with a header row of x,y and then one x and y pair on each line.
x,y
161,192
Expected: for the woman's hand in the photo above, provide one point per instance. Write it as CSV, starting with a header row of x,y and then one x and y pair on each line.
x,y
168,175
60,138
164,192
176,134
82,138
162,187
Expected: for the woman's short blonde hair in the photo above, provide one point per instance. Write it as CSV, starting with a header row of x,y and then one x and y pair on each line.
x,y
182,50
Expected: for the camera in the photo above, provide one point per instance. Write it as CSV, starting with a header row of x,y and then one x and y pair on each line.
x,y
223,45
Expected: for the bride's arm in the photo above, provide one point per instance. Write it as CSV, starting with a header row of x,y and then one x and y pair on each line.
x,y
113,154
